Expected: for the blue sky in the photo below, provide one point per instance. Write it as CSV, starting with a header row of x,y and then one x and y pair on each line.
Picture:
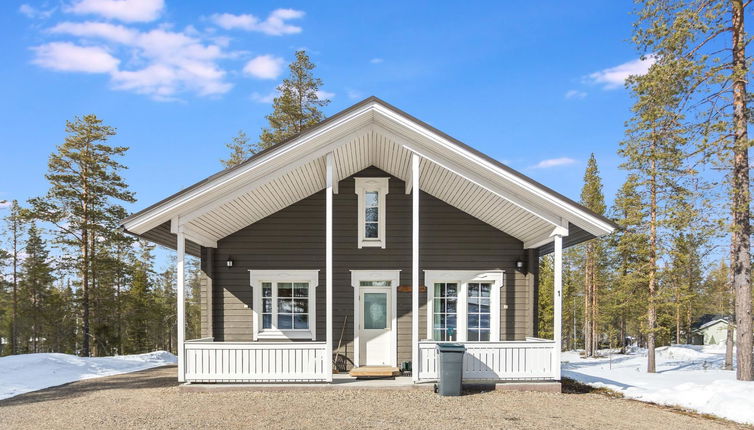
x,y
537,85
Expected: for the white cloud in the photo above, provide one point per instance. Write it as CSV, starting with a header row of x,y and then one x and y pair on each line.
x,y
269,98
376,60
158,62
32,12
275,24
264,67
554,162
123,10
322,94
4,204
102,30
615,77
575,94
67,57
354,95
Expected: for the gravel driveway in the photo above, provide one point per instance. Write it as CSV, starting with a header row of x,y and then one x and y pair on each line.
x,y
151,399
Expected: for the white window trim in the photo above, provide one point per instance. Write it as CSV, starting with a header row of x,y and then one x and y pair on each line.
x,y
463,278
394,276
257,277
363,185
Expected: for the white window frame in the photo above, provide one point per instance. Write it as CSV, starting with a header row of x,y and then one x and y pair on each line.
x,y
357,276
463,278
381,186
257,277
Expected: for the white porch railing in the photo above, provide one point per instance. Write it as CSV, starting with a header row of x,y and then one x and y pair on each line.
x,y
208,361
494,361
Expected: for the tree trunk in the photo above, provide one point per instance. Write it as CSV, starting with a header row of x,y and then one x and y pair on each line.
x,y
85,290
731,311
741,226
651,311
14,323
588,349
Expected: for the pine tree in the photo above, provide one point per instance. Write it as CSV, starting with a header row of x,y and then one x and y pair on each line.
x,y
14,222
83,198
36,282
706,41
240,150
297,105
630,258
140,302
592,197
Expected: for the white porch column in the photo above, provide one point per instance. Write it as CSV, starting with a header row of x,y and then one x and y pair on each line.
x,y
181,303
415,268
328,266
557,305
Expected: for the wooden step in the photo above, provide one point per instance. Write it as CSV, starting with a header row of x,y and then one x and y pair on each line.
x,y
374,371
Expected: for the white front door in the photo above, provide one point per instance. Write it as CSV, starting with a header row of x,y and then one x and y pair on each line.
x,y
375,326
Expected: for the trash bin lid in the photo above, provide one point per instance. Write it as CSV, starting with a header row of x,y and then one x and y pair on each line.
x,y
450,347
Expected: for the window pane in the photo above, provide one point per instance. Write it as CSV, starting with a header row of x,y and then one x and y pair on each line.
x,y
450,306
473,290
484,335
285,289
267,321
266,289
485,289
439,290
375,310
374,283
370,230
285,321
301,321
439,321
301,289
473,320
267,306
300,306
439,305
452,290
285,306
485,306
484,320
371,214
372,199
473,335
438,335
451,322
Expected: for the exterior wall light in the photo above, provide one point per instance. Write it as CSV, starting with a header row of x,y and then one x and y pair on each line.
x,y
229,262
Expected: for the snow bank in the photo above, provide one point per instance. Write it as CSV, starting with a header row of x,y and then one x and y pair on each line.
x,y
688,376
30,372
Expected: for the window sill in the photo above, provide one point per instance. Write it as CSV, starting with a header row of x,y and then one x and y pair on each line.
x,y
278,335
371,243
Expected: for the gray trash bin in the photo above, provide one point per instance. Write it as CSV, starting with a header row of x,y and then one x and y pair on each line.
x,y
450,368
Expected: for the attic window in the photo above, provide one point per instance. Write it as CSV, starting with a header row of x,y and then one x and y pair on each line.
x,y
371,211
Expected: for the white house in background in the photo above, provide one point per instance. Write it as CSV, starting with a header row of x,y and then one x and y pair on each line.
x,y
378,226
712,333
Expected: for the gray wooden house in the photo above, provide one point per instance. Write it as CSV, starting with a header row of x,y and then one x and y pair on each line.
x,y
378,226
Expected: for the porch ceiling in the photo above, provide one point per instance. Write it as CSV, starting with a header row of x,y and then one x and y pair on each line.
x,y
367,147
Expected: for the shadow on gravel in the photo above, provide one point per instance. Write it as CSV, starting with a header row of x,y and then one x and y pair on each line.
x,y
571,386
157,377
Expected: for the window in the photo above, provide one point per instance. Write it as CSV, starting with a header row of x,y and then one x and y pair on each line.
x,y
285,307
371,211
465,305
445,324
478,311
284,303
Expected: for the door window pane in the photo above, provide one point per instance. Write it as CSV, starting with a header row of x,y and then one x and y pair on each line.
x,y
375,311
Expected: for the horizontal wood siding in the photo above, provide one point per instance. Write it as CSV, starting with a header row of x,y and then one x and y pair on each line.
x,y
294,238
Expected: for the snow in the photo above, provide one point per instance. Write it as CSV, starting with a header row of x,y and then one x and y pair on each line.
x,y
688,376
23,373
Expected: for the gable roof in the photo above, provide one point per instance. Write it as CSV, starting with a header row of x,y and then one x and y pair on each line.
x,y
392,131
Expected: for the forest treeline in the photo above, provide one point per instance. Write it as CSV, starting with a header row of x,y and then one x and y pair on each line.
x,y
683,247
